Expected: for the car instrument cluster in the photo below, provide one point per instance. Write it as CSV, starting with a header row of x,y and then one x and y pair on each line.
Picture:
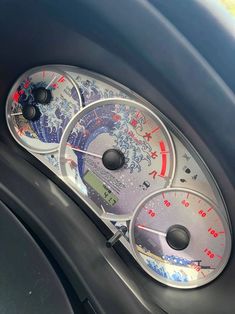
x,y
130,165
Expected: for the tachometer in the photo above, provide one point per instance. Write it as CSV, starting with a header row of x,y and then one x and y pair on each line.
x,y
39,107
180,238
114,153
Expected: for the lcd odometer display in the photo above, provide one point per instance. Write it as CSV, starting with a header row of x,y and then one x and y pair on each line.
x,y
97,185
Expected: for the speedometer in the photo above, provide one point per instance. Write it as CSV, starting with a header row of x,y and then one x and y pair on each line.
x,y
114,153
180,238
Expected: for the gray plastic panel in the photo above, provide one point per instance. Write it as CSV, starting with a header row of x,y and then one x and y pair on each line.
x,y
28,283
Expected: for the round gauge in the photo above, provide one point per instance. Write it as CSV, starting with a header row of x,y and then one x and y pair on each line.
x,y
39,107
180,238
114,153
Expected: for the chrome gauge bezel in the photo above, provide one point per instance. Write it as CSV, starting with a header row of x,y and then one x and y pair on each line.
x,y
70,126
165,281
9,120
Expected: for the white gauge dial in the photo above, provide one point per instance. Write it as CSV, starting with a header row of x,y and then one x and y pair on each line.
x,y
180,238
114,153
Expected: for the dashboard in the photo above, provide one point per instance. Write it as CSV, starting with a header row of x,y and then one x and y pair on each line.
x,y
117,153
131,168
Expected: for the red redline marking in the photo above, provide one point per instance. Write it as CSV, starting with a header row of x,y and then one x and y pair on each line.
x,y
219,256
221,244
164,158
166,152
209,209
164,161
163,195
221,232
159,175
162,146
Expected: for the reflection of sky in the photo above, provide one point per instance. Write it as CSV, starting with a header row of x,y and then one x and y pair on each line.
x,y
229,6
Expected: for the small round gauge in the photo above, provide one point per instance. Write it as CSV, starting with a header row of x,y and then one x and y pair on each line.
x,y
180,238
115,152
39,107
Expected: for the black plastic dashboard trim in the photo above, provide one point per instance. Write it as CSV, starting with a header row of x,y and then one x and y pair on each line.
x,y
131,42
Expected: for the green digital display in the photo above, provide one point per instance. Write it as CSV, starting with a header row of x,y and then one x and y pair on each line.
x,y
97,185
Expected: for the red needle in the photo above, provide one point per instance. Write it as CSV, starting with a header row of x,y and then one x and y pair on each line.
x,y
152,230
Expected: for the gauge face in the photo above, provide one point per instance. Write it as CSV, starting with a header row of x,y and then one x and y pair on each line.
x,y
39,107
180,238
191,172
92,89
114,153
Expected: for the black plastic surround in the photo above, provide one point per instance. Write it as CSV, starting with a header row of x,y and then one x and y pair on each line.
x,y
133,43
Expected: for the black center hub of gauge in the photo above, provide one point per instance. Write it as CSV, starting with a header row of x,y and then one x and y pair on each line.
x,y
42,95
31,112
113,159
178,237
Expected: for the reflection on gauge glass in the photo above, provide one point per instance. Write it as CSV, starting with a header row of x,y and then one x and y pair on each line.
x,y
39,107
114,153
180,238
